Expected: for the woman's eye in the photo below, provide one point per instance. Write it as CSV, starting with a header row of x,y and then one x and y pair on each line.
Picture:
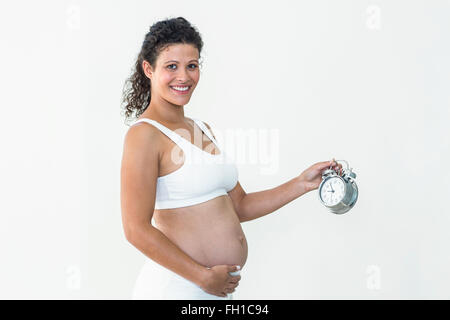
x,y
195,66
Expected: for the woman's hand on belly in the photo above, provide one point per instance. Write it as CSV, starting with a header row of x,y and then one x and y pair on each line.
x,y
219,282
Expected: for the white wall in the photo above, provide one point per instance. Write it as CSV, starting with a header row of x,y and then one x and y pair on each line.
x,y
364,81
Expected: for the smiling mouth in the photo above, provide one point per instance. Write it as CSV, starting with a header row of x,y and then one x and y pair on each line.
x,y
179,90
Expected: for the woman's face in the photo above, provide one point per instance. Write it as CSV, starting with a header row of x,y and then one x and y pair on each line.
x,y
177,67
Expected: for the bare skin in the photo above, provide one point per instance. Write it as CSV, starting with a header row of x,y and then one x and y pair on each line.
x,y
205,241
210,232
202,242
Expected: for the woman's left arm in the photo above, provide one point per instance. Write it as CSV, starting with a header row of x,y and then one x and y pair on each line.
x,y
250,206
257,204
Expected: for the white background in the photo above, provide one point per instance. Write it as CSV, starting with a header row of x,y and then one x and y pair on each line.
x,y
364,81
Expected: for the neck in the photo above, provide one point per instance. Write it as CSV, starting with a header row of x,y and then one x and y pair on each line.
x,y
165,111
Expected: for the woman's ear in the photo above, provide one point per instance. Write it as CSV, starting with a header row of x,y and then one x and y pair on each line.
x,y
147,69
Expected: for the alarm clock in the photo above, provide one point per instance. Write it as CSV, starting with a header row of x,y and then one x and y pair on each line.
x,y
338,192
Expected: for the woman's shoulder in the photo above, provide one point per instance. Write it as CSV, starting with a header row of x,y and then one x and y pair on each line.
x,y
144,134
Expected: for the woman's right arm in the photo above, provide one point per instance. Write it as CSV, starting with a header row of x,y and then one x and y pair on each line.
x,y
139,173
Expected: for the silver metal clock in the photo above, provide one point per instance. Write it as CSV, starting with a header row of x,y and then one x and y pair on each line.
x,y
338,192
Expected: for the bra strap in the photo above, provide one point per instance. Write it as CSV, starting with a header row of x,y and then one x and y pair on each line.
x,y
169,133
205,130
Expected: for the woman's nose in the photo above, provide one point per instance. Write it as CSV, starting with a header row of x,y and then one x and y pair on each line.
x,y
182,76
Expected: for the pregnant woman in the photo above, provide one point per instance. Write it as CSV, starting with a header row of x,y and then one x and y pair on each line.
x,y
175,173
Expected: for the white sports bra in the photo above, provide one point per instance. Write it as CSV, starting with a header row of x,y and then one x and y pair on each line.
x,y
203,176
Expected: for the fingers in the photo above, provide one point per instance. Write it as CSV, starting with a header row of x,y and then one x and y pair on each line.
x,y
221,294
233,268
233,287
336,166
234,278
232,284
229,290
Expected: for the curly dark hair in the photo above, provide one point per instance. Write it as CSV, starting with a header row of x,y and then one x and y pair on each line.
x,y
136,93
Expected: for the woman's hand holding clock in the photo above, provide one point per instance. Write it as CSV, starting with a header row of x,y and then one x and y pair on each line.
x,y
311,177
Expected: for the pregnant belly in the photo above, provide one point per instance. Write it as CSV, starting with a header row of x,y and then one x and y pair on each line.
x,y
209,232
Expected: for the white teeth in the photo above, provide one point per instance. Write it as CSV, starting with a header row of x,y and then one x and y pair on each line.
x,y
181,88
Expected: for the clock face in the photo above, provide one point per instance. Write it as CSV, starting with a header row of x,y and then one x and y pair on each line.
x,y
332,191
